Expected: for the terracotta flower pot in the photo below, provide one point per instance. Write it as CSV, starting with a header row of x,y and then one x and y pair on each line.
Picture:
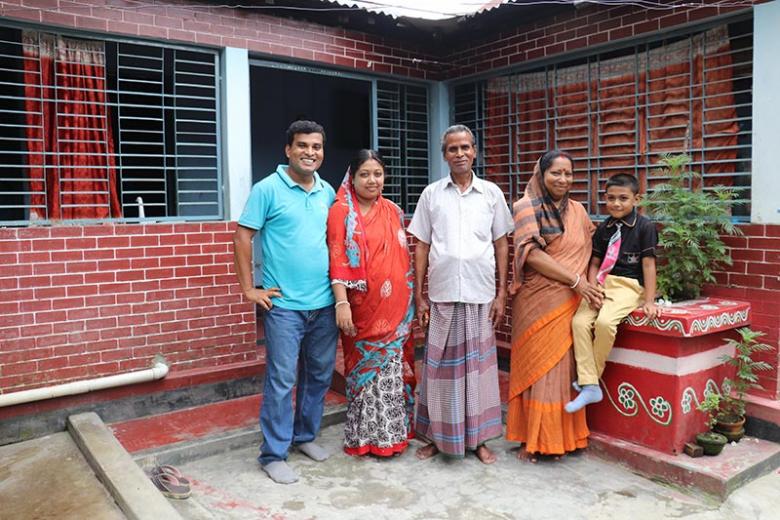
x,y
712,443
732,430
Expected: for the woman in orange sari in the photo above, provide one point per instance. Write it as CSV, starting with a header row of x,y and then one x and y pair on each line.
x,y
552,249
372,280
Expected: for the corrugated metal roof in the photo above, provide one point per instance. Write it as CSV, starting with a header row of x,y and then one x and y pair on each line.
x,y
427,10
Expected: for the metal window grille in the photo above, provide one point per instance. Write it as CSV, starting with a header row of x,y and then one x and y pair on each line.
x,y
402,139
162,118
618,111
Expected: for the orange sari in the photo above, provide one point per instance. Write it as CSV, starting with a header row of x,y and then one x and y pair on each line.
x,y
542,365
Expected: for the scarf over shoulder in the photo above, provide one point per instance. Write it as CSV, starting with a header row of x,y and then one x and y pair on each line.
x,y
537,223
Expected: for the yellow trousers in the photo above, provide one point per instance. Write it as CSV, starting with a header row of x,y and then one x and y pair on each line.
x,y
594,331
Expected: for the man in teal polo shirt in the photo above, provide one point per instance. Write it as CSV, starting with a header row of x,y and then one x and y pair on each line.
x,y
290,209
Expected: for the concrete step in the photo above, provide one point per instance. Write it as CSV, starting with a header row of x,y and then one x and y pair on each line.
x,y
738,463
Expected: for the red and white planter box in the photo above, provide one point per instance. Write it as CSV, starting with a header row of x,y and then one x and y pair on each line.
x,y
658,373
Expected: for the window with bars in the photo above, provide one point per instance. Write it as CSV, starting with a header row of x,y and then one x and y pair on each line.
x,y
619,111
402,139
95,129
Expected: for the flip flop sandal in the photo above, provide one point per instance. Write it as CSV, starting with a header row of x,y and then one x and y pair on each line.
x,y
165,469
170,486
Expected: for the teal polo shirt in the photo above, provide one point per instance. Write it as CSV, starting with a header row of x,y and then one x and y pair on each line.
x,y
292,224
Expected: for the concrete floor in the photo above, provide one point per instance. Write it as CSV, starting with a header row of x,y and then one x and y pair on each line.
x,y
232,486
48,478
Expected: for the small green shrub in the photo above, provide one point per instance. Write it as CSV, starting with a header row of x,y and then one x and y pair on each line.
x,y
693,220
732,403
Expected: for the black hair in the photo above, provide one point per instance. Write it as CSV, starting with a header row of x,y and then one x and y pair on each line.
x,y
624,180
363,156
456,129
304,127
546,160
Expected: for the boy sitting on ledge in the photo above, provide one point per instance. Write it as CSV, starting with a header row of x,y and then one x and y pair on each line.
x,y
623,263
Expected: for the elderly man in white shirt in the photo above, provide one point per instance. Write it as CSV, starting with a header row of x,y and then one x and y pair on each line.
x,y
461,224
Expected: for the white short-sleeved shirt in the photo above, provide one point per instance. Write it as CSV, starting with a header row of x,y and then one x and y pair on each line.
x,y
461,229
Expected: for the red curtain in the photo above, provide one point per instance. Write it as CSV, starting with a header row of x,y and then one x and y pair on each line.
x,y
619,114
72,170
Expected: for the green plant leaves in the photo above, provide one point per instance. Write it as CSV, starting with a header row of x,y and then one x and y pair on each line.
x,y
693,221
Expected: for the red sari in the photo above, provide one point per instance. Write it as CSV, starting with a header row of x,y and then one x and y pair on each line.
x,y
370,256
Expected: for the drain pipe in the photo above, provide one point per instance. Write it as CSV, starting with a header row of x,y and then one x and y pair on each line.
x,y
158,371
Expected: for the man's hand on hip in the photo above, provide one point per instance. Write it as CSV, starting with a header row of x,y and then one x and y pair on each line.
x,y
262,297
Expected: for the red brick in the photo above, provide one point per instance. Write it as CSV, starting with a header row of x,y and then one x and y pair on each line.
x,y
145,330
114,288
52,364
673,19
129,253
27,367
173,261
81,267
105,299
101,323
11,246
113,242
145,308
34,281
129,320
36,330
147,285
160,251
646,27
83,359
74,255
58,268
32,232
772,230
763,268
144,263
144,240
68,303
126,276
622,32
746,280
33,258
764,243
747,255
98,230
110,334
753,230
114,355
47,293
80,243
50,316
67,279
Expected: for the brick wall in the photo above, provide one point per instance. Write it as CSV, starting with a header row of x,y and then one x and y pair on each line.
x,y
209,25
87,301
575,30
755,277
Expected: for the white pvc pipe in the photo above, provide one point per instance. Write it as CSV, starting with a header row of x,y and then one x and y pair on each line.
x,y
158,371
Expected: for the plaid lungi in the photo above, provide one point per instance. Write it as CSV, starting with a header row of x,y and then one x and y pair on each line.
x,y
459,406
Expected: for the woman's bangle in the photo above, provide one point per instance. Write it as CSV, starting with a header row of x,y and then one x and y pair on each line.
x,y
342,302
576,282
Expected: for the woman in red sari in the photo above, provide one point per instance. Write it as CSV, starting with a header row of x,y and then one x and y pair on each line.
x,y
372,279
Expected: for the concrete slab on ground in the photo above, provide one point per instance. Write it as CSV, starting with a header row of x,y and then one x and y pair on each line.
x,y
231,486
48,478
138,498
